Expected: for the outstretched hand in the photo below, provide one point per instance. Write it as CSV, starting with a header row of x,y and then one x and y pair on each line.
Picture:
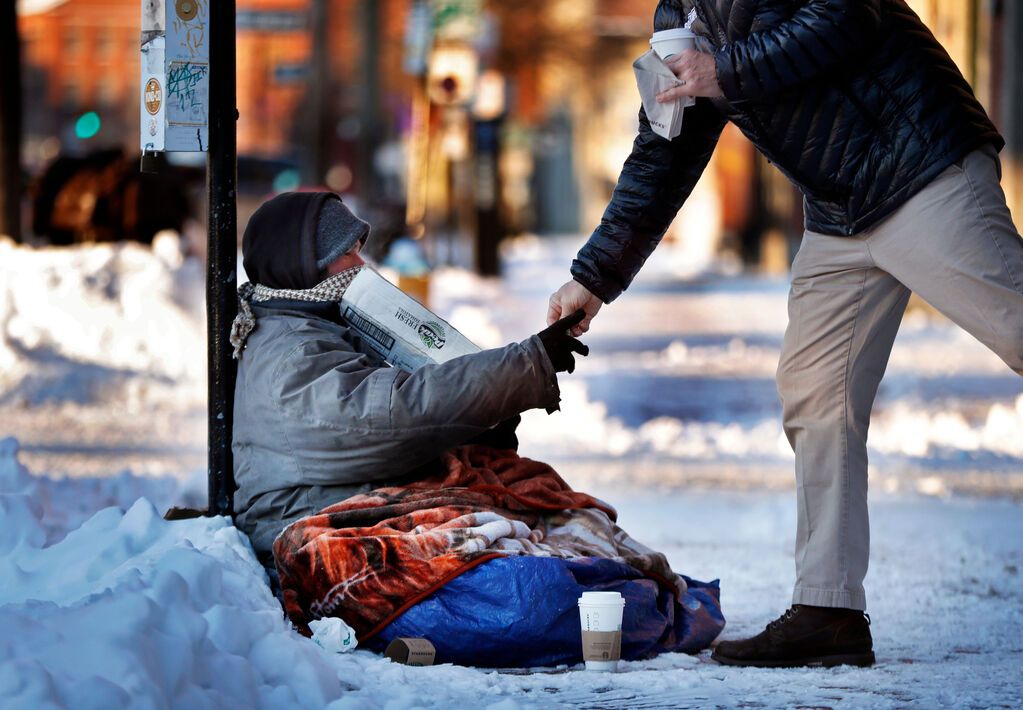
x,y
569,298
560,345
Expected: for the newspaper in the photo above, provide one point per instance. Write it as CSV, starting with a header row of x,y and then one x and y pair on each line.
x,y
400,329
653,76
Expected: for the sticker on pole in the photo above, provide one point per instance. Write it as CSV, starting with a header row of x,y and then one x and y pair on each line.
x,y
186,9
153,96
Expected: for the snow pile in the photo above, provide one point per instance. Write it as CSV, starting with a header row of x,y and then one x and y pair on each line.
x,y
585,428
67,502
98,322
130,607
911,431
129,610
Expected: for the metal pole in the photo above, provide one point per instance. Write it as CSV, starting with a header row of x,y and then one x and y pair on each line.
x,y
489,230
10,123
221,253
319,82
369,100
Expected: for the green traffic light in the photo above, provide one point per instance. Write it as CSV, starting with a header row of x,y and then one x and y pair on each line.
x,y
87,125
287,180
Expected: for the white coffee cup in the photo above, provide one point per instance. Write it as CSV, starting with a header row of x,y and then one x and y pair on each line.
x,y
600,614
668,43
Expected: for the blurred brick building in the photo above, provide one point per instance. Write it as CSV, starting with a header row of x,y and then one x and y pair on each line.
x,y
343,116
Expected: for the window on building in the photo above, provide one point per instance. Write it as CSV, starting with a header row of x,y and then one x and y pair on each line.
x,y
105,44
108,90
72,41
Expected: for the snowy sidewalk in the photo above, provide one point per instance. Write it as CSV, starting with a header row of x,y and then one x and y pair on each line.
x,y
132,611
673,419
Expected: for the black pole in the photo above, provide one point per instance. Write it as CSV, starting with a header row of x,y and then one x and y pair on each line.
x,y
221,253
319,80
369,100
489,229
10,123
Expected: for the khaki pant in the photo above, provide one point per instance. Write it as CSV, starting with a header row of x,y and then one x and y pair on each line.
x,y
955,245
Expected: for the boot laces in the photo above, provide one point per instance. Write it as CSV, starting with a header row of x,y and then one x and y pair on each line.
x,y
775,627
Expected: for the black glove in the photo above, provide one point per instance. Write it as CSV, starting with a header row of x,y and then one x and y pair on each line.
x,y
560,345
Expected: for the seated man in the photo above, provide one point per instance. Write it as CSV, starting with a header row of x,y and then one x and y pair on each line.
x,y
319,416
381,493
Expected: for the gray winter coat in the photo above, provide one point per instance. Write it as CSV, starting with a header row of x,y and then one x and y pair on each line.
x,y
318,417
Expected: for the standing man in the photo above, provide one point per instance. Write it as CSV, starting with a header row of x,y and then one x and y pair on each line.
x,y
863,110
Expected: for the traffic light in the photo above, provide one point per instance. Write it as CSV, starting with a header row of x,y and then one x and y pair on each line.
x,y
87,125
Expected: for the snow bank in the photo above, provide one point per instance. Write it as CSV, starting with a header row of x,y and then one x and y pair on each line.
x,y
130,608
585,428
929,451
65,503
902,430
98,322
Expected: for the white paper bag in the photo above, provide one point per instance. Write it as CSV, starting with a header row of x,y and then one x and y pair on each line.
x,y
653,76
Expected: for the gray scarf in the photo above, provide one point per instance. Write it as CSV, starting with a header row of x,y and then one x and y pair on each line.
x,y
330,290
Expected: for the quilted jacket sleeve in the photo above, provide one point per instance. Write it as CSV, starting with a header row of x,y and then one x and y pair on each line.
x,y
656,179
820,35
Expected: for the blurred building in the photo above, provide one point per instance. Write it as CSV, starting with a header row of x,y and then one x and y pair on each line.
x,y
331,92
78,56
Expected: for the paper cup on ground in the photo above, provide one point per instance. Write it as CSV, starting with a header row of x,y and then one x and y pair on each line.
x,y
668,43
600,614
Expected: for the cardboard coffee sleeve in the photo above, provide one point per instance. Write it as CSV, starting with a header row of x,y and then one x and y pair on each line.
x,y
411,652
602,645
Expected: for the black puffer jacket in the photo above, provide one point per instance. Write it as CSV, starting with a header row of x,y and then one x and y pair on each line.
x,y
854,100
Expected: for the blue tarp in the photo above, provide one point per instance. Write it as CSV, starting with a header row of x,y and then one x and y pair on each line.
x,y
522,612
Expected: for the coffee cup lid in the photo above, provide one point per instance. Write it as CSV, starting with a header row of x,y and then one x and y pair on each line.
x,y
602,598
676,33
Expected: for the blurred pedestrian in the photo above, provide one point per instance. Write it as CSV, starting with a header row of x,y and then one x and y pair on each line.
x,y
858,104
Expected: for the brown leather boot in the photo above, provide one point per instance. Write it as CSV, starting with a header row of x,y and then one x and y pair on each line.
x,y
804,636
